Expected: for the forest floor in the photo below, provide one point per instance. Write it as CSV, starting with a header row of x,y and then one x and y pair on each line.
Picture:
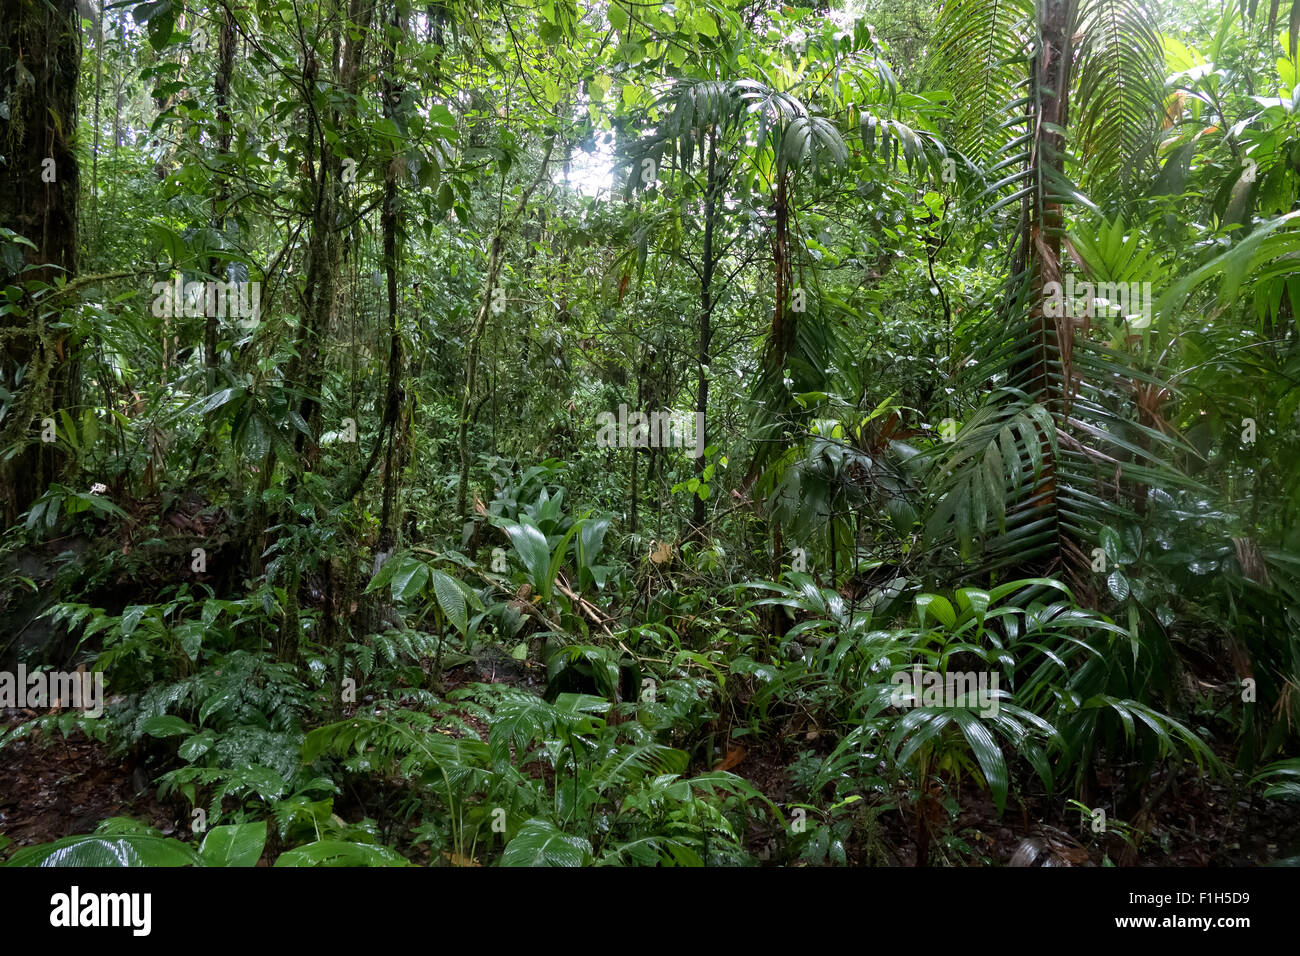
x,y
1197,822
57,787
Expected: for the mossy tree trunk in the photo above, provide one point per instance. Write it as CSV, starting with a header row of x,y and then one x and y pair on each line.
x,y
40,56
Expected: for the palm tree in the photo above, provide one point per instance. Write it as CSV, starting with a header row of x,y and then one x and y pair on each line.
x,y
1049,91
776,131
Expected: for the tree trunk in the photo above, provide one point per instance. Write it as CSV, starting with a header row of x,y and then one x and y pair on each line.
x,y
1045,374
393,399
1044,221
705,343
221,195
40,44
320,291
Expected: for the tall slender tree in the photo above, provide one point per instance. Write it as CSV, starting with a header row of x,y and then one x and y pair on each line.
x,y
40,56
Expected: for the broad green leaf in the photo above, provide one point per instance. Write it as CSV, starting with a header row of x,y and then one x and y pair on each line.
x,y
987,752
409,579
106,851
530,544
166,725
541,843
935,605
341,853
238,844
451,600
1112,544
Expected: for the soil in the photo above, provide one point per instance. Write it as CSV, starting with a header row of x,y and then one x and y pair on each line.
x,y
57,787
54,787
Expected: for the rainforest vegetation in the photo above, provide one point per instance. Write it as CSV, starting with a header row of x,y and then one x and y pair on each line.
x,y
685,433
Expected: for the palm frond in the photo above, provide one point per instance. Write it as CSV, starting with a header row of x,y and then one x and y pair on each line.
x,y
1119,89
981,61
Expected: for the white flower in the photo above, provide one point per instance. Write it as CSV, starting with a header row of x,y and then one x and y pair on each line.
x,y
98,488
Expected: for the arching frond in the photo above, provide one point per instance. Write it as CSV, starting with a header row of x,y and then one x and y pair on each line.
x,y
1119,90
981,60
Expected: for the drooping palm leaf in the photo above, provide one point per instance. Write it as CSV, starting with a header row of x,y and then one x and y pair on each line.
x,y
1119,90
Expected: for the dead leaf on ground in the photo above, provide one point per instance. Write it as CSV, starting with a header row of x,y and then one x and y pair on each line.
x,y
734,756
